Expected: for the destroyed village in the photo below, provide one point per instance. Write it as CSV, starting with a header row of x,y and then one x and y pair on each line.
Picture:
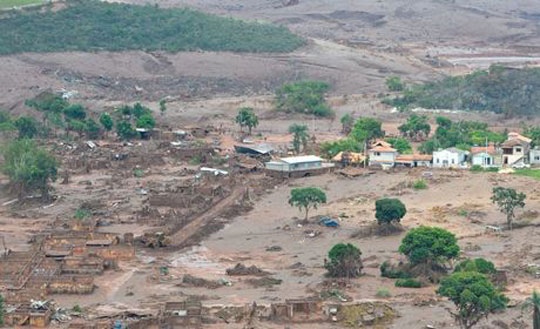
x,y
270,164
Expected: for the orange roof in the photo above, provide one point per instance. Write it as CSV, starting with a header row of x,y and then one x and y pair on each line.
x,y
480,149
515,135
413,157
380,142
383,149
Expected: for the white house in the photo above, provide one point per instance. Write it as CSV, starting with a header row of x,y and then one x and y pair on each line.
x,y
534,156
382,154
486,157
515,151
450,158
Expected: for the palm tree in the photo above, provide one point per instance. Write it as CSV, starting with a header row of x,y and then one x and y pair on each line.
x,y
300,137
534,303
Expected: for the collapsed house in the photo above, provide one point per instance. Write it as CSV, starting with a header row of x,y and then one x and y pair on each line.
x,y
63,261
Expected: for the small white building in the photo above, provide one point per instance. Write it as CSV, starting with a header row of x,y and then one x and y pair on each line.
x,y
298,166
383,156
534,156
486,157
450,158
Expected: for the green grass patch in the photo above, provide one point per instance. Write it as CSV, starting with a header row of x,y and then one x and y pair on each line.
x,y
6,4
92,25
533,173
408,283
420,184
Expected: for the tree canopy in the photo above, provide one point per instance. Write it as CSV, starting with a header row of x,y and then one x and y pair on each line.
x,y
366,129
305,97
106,121
509,91
507,200
474,296
92,25
417,127
300,136
28,167
431,245
479,265
307,198
344,261
246,117
389,210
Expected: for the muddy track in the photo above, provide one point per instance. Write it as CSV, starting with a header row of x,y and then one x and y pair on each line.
x,y
181,238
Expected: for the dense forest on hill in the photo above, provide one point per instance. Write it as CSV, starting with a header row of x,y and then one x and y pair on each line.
x,y
92,25
512,92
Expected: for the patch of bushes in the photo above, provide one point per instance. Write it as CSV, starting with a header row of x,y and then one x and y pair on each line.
x,y
420,184
92,25
508,91
408,283
389,271
82,213
304,97
383,293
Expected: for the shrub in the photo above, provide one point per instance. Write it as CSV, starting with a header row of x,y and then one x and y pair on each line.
x,y
479,265
420,184
344,261
408,283
383,293
394,83
28,167
82,213
429,245
124,130
26,126
138,173
97,25
389,210
389,271
303,97
476,168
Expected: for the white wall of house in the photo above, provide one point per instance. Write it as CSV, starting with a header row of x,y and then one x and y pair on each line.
x,y
534,157
483,159
445,159
381,157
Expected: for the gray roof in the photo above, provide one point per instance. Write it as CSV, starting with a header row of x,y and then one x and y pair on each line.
x,y
301,159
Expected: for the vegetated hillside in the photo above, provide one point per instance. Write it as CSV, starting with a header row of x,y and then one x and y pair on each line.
x,y
91,25
501,90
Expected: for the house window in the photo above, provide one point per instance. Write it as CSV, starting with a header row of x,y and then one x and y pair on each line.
x,y
452,161
377,154
438,160
537,158
518,149
508,151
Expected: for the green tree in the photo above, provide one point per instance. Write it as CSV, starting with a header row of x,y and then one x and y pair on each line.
x,y
332,148
300,136
246,117
138,110
75,112
389,210
28,167
124,130
394,83
507,200
479,265
344,261
106,121
92,129
400,144
48,102
26,126
416,127
474,296
162,106
78,126
367,129
3,311
306,198
429,245
347,122
303,97
533,303
146,121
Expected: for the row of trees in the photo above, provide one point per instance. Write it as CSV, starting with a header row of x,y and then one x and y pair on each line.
x,y
508,91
